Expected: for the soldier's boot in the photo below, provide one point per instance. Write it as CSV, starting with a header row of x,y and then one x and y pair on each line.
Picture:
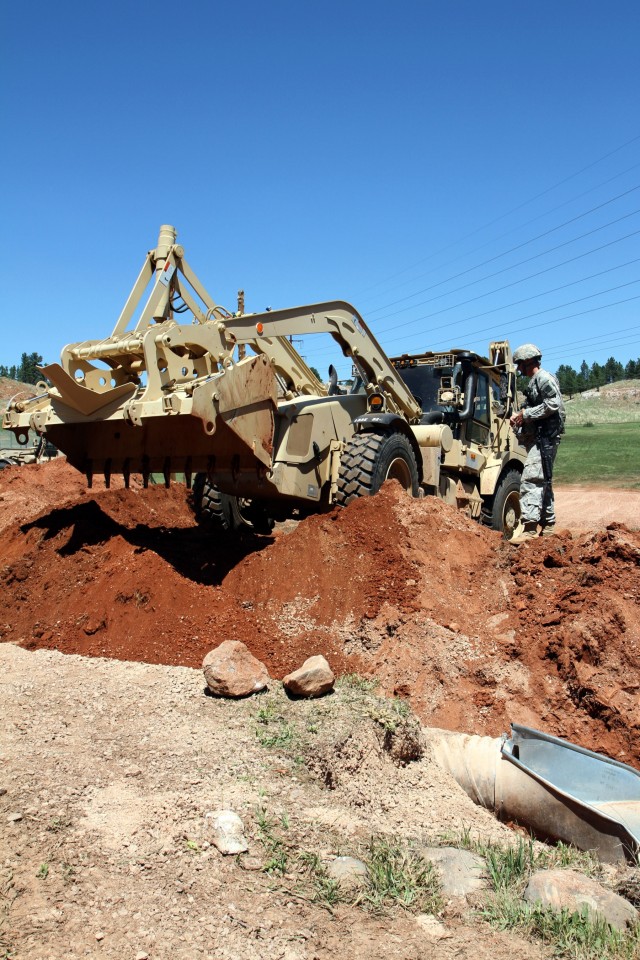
x,y
518,529
548,530
529,532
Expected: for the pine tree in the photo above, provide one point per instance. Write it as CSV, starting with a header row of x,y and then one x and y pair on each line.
x,y
28,370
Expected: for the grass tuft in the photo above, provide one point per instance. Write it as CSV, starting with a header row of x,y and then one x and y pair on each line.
x,y
575,936
353,681
277,858
398,875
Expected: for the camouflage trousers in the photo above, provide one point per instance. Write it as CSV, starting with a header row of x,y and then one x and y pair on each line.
x,y
532,508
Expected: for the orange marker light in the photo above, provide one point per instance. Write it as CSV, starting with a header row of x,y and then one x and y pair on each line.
x,y
259,328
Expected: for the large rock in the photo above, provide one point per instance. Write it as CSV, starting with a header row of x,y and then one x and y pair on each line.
x,y
348,871
232,671
460,872
567,889
312,679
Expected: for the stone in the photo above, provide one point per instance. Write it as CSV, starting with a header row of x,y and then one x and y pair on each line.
x,y
433,928
228,832
461,872
570,890
312,679
232,671
348,871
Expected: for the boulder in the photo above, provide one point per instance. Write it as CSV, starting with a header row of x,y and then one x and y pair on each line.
x,y
460,872
567,889
232,671
348,871
312,679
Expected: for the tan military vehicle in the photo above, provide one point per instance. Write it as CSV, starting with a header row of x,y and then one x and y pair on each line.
x,y
226,399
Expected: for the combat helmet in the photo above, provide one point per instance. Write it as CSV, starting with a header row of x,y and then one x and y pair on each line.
x,y
528,351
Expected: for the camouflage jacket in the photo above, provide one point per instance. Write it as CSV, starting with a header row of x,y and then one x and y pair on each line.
x,y
544,408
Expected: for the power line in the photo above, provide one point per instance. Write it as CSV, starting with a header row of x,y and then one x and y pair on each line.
x,y
514,210
475,337
512,250
531,276
546,323
514,283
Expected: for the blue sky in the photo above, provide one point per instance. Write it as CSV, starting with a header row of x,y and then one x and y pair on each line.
x,y
459,171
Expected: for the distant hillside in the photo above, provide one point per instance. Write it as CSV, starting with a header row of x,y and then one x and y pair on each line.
x,y
9,388
614,403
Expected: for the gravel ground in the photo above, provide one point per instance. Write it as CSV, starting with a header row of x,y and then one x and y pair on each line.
x,y
108,772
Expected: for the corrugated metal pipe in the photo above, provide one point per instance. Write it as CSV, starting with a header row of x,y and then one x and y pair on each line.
x,y
557,790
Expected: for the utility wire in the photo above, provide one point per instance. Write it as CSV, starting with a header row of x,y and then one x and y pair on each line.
x,y
506,286
531,276
476,336
510,212
534,296
546,323
507,233
512,250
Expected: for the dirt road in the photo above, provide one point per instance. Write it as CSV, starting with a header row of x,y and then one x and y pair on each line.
x,y
581,508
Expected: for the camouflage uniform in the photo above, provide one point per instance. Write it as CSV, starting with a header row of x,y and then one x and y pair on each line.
x,y
543,425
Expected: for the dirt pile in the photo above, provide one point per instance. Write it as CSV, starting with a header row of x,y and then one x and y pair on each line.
x,y
472,631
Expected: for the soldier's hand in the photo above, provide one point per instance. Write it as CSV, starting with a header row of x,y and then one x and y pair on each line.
x,y
516,420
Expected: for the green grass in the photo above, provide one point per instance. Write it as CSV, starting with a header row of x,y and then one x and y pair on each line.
x,y
274,730
615,403
399,876
353,681
575,936
275,847
604,453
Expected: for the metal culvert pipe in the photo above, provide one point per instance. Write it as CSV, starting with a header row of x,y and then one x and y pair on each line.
x,y
557,790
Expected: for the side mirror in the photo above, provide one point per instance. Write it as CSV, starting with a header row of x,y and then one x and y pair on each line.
x,y
334,389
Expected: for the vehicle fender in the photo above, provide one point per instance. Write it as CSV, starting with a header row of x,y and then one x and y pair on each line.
x,y
491,475
384,422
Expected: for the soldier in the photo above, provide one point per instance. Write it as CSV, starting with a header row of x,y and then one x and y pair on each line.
x,y
540,425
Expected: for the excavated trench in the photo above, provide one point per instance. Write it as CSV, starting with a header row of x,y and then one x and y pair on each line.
x,y
474,633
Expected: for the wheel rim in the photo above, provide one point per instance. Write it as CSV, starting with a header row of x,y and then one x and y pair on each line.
x,y
244,511
511,513
399,470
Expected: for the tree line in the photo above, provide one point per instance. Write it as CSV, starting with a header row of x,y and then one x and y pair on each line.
x,y
571,381
597,375
26,371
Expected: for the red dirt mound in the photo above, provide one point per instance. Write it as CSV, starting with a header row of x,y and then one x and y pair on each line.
x,y
474,632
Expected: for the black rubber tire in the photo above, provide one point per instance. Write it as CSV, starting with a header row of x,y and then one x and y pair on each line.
x,y
372,458
505,510
221,511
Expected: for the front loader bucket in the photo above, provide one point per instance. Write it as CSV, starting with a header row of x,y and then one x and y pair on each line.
x,y
222,425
